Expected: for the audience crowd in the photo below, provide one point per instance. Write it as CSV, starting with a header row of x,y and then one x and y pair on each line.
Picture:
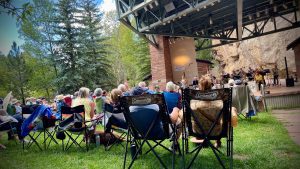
x,y
97,101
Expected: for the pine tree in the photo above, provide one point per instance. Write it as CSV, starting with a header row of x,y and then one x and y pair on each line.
x,y
95,60
19,72
68,45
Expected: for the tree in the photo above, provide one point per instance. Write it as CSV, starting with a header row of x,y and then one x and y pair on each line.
x,y
129,56
20,12
4,76
94,63
37,32
67,41
19,72
205,54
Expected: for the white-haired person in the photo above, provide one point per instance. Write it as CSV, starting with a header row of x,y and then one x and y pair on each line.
x,y
123,89
89,107
172,97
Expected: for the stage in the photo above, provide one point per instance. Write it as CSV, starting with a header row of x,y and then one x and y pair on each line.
x,y
282,96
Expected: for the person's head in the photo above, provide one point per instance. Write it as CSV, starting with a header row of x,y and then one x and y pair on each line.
x,y
142,84
98,92
157,88
104,93
139,91
68,100
170,86
115,94
122,87
75,94
205,83
83,92
32,99
195,78
16,102
59,97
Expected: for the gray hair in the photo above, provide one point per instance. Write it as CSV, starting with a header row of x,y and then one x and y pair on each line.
x,y
98,92
83,92
170,86
122,87
142,84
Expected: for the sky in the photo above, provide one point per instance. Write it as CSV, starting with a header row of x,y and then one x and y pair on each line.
x,y
9,30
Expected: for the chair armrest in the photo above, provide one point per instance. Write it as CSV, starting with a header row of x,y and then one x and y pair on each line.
x,y
3,123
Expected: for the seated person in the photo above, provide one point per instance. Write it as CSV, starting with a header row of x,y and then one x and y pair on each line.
x,y
113,106
89,108
172,98
59,103
99,101
208,111
16,122
157,131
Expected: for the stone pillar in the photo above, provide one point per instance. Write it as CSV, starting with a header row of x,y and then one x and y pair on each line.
x,y
297,59
161,67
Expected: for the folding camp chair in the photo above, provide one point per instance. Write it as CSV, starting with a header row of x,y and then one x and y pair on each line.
x,y
7,127
114,139
44,126
73,124
214,127
148,120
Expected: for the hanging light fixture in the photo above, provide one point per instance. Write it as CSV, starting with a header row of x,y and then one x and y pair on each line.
x,y
258,14
275,8
250,17
210,20
151,6
285,6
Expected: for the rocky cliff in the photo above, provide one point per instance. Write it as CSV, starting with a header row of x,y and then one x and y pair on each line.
x,y
263,51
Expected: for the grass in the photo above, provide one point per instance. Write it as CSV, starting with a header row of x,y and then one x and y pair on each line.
x,y
260,143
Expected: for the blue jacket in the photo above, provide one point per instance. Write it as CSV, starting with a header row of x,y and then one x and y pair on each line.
x,y
173,99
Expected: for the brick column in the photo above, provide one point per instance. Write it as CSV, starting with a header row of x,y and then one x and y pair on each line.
x,y
161,67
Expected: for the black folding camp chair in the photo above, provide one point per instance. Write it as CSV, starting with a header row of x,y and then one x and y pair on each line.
x,y
120,133
45,128
73,126
214,127
148,120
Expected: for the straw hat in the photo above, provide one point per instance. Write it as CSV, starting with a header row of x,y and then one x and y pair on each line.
x,y
15,101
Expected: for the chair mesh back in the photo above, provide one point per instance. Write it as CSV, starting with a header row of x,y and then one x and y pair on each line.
x,y
29,109
72,114
203,109
143,112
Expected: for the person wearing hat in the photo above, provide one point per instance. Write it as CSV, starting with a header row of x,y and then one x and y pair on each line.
x,y
59,103
17,104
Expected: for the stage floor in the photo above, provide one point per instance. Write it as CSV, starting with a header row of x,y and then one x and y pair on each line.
x,y
283,90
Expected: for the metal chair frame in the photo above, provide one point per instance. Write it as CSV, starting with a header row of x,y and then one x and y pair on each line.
x,y
225,95
135,135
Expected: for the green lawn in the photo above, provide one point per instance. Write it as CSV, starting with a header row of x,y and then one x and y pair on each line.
x,y
260,143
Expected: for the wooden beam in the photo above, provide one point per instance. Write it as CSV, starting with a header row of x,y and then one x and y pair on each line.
x,y
239,6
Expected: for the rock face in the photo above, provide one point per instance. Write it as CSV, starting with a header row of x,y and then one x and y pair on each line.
x,y
263,51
